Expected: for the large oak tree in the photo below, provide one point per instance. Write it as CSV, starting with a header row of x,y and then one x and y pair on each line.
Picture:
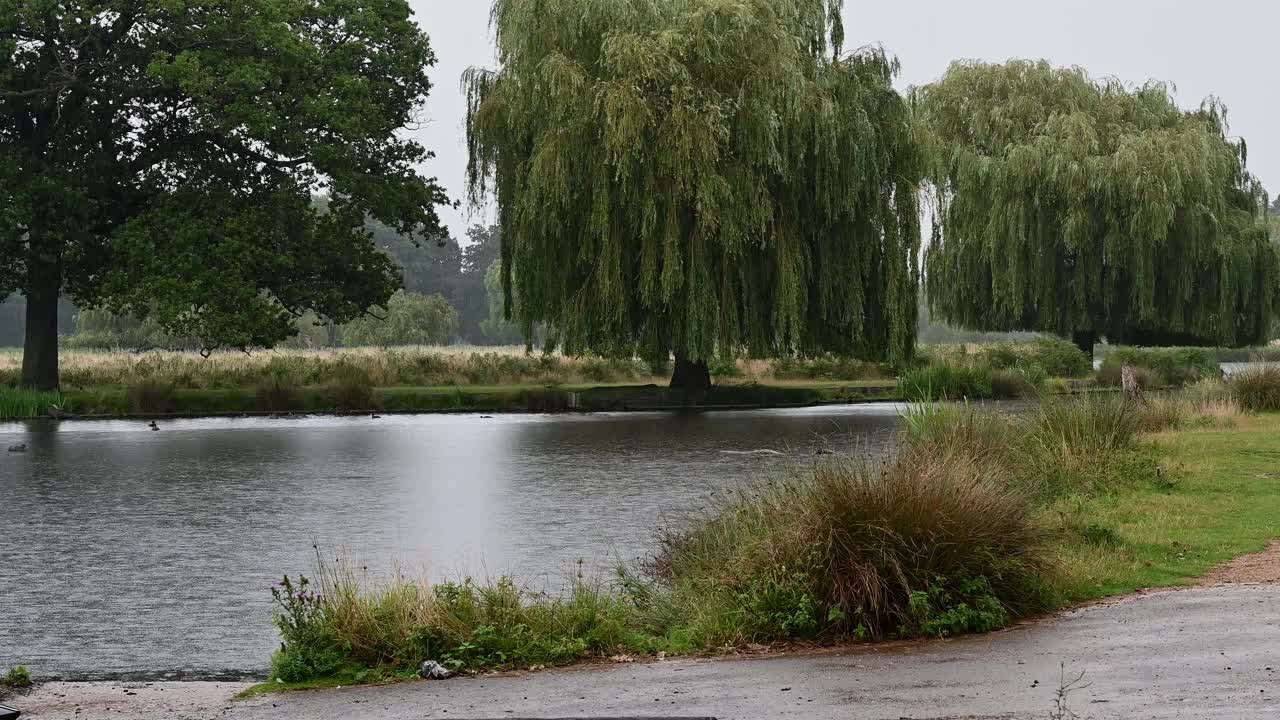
x,y
698,176
1086,207
159,158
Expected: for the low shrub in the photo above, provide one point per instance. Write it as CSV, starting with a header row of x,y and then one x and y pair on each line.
x,y
1061,358
1056,357
1257,389
1174,367
613,369
826,367
1018,382
17,678
344,625
725,368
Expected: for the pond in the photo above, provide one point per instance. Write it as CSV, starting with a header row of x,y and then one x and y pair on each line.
x,y
131,553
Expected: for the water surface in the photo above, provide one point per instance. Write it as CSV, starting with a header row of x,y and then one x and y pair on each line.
x,y
127,552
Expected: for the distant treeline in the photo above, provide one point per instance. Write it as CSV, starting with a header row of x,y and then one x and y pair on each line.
x,y
445,300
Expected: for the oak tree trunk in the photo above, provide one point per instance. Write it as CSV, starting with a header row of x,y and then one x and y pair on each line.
x,y
40,345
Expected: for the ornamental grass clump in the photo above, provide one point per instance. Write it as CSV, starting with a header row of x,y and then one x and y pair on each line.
x,y
1257,389
926,543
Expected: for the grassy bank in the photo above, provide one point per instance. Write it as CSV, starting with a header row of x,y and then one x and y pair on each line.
x,y
430,379
406,367
158,400
412,379
507,379
979,519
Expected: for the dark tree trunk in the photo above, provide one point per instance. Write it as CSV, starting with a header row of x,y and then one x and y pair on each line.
x,y
692,376
1085,340
40,347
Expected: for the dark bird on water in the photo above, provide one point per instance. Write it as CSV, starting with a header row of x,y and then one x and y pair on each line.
x,y
153,425
375,416
18,448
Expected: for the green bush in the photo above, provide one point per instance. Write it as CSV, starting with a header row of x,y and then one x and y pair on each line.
x,y
941,612
1061,358
1018,382
1257,389
408,319
1056,357
826,367
347,625
309,646
1169,366
725,368
18,677
613,369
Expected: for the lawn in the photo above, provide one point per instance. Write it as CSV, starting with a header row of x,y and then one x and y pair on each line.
x,y
1221,500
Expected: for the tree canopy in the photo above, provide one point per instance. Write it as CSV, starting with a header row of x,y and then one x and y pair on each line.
x,y
698,176
409,319
159,158
1087,207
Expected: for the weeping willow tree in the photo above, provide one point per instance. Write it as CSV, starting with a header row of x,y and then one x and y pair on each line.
x,y
1085,208
698,177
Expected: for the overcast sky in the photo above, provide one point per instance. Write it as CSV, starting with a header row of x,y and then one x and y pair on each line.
x,y
1220,47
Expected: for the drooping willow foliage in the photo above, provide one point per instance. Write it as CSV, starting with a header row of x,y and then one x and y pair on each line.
x,y
1077,206
699,176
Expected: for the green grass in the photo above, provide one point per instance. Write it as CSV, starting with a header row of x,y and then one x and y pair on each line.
x,y
346,678
17,678
1220,500
27,403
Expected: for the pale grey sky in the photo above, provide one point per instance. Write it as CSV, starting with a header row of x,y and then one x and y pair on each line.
x,y
1222,48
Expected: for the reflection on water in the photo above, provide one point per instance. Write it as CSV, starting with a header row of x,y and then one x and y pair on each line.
x,y
128,551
